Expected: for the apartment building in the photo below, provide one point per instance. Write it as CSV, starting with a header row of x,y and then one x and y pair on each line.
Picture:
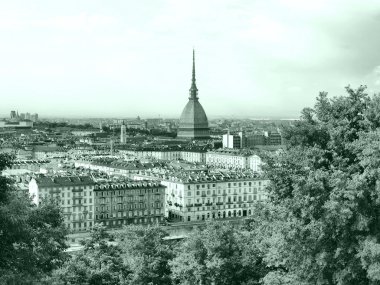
x,y
190,197
74,194
129,202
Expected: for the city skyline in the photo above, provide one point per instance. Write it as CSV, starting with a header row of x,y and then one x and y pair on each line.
x,y
119,59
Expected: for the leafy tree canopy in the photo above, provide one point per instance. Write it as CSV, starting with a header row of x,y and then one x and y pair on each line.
x,y
325,195
32,239
145,252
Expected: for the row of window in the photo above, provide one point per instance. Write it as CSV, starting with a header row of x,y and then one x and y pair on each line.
x,y
126,192
66,188
82,225
225,199
66,194
128,214
229,191
75,201
129,206
77,209
224,214
127,199
78,217
229,184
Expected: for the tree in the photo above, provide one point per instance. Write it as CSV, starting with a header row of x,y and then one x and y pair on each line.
x,y
100,262
147,255
218,254
32,239
326,196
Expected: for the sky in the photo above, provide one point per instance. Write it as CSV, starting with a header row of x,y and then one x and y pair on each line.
x,y
256,59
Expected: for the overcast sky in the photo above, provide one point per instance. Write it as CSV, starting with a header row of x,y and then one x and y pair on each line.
x,y
127,58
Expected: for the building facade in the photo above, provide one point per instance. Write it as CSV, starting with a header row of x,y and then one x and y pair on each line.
x,y
74,194
123,133
231,141
133,202
187,155
85,202
196,198
233,159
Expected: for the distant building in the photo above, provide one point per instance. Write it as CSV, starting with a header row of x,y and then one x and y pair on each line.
x,y
34,117
123,133
13,115
193,123
254,139
124,168
231,141
136,125
234,140
187,155
47,152
274,138
234,159
16,124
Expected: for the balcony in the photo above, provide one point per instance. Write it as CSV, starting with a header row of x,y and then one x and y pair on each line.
x,y
208,204
189,205
77,190
77,197
197,205
219,203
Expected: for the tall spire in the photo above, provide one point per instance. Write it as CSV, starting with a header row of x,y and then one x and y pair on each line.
x,y
193,89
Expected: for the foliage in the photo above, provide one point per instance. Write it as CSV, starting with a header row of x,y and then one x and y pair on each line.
x,y
325,193
147,255
100,262
32,239
218,254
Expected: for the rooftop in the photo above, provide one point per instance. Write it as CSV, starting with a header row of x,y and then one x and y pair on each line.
x,y
51,181
199,177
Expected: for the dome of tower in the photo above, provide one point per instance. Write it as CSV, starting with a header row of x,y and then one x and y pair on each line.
x,y
193,116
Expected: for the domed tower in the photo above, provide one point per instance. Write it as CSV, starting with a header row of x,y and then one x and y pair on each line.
x,y
193,123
